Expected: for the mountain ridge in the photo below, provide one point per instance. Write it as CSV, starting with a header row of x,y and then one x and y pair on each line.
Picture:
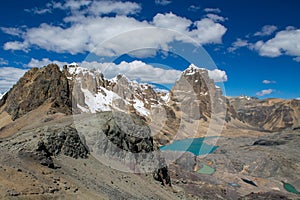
x,y
74,89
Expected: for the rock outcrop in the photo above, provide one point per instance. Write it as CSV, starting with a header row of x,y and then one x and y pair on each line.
x,y
47,85
194,94
125,142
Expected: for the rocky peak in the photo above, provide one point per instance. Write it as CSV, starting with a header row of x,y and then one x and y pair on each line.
x,y
195,93
47,85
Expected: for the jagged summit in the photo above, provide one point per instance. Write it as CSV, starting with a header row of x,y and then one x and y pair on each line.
x,y
47,85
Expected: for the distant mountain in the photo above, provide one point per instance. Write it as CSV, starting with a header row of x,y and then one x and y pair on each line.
x,y
267,114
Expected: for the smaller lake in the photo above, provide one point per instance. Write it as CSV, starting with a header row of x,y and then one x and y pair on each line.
x,y
196,146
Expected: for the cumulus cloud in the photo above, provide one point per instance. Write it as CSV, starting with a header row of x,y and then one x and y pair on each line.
x,y
217,75
268,82
136,70
9,76
265,92
266,30
284,43
87,29
213,10
163,2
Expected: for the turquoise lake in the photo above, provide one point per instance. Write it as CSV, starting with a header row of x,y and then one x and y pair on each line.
x,y
196,146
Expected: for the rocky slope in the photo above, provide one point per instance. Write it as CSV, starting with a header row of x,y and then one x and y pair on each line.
x,y
267,114
56,164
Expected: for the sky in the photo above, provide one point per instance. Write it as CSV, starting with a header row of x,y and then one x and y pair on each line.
x,y
250,47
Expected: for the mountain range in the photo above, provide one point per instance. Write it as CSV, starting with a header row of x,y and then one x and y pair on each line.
x,y
53,119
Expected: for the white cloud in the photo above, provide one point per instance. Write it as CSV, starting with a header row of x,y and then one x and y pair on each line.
x,y
44,62
265,92
284,43
9,76
268,82
98,8
213,10
16,45
216,18
266,30
136,70
87,30
163,2
298,98
217,75
12,31
38,11
297,59
238,44
3,61
208,31
194,8
173,21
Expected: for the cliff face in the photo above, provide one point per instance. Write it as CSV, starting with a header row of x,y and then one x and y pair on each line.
x,y
38,87
196,95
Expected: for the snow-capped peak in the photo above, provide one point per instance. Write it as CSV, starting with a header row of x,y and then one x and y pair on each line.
x,y
244,97
192,69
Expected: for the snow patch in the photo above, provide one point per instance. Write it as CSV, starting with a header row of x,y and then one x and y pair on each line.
x,y
99,101
140,107
245,97
165,97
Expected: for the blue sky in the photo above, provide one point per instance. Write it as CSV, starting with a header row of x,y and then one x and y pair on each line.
x,y
254,44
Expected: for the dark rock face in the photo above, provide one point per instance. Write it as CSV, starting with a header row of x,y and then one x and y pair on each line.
x,y
267,195
57,141
63,141
162,175
37,87
263,142
128,136
125,141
